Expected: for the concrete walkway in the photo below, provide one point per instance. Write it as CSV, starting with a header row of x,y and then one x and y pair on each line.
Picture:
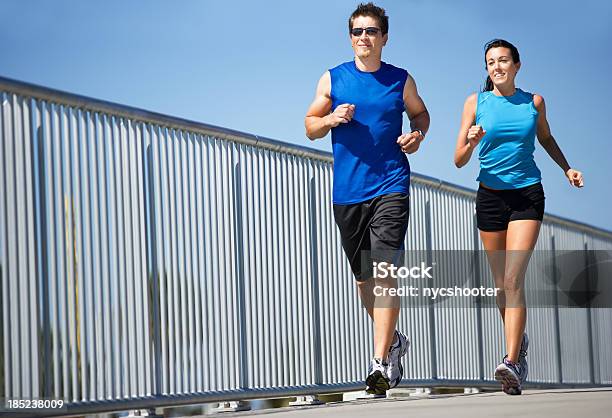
x,y
553,403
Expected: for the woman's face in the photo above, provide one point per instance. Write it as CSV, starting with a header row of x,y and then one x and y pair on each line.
x,y
502,70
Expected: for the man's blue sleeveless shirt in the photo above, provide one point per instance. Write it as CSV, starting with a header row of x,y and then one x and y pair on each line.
x,y
506,150
368,162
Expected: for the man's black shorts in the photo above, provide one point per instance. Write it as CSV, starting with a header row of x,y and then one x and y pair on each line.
x,y
377,226
496,208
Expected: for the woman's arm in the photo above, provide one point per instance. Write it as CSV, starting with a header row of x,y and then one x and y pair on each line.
x,y
550,145
469,134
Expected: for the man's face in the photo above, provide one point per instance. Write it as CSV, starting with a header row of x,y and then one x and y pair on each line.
x,y
366,45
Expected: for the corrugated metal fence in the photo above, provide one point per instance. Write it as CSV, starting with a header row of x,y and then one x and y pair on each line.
x,y
147,260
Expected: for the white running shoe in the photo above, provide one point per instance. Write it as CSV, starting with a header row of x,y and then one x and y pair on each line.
x,y
509,374
524,367
395,371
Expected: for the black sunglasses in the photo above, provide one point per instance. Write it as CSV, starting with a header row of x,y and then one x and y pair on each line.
x,y
370,31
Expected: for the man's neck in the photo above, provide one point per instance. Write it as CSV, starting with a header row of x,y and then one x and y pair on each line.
x,y
368,64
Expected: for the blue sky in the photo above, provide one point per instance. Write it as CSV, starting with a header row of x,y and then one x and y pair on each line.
x,y
253,66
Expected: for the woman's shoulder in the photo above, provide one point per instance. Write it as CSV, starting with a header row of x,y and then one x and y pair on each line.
x,y
472,99
471,102
478,99
538,100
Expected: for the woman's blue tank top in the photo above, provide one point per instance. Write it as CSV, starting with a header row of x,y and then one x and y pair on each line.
x,y
506,150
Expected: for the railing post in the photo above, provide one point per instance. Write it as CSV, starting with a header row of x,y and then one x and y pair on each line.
x,y
315,319
431,311
587,260
478,303
240,286
153,274
41,205
555,280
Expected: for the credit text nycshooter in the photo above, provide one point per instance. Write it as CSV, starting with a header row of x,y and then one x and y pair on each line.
x,y
434,292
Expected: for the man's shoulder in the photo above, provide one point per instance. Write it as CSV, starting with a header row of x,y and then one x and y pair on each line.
x,y
396,72
344,65
392,67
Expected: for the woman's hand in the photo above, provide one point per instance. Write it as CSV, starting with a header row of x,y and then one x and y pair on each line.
x,y
574,177
475,134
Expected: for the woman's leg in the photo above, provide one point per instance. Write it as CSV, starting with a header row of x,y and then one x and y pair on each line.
x,y
521,239
495,246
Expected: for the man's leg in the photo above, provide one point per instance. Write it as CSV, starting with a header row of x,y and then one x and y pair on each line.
x,y
366,294
385,314
387,234
355,223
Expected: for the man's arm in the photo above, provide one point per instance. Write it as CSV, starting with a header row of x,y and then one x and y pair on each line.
x,y
319,120
418,115
415,108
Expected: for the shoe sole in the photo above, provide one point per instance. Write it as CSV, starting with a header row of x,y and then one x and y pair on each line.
x,y
510,391
509,381
376,384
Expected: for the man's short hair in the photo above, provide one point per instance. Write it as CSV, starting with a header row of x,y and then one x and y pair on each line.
x,y
372,10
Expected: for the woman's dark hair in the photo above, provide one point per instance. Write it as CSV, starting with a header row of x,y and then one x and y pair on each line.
x,y
371,10
497,43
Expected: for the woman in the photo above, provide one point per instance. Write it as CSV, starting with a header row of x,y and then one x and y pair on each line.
x,y
504,120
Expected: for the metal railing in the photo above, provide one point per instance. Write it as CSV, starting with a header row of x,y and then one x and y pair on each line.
x,y
147,260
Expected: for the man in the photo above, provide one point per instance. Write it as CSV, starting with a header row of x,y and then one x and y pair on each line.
x,y
362,103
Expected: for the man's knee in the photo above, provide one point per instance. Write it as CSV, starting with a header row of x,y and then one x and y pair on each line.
x,y
364,284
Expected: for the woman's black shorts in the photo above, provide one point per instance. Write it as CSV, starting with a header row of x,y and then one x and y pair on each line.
x,y
496,208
